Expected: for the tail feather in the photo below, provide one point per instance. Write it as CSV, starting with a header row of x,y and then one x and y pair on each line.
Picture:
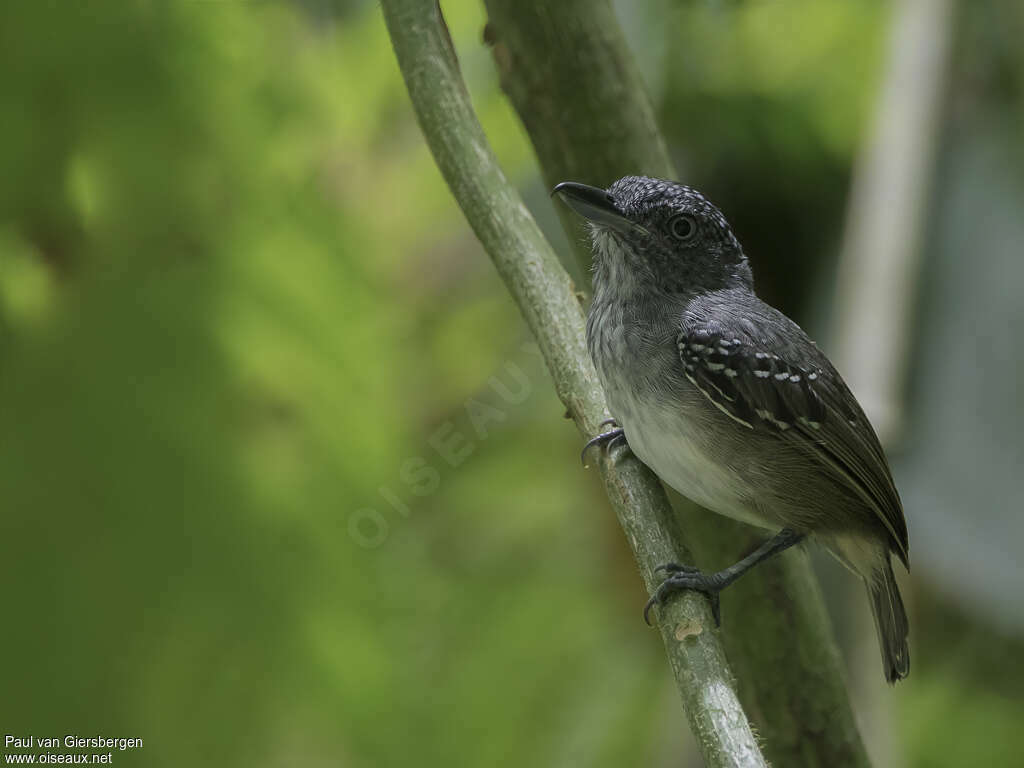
x,y
891,623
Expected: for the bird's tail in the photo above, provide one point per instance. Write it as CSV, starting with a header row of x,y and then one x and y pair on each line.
x,y
890,621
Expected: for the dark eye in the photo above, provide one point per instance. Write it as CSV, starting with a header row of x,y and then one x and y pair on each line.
x,y
682,227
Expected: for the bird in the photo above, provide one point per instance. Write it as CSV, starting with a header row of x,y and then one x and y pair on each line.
x,y
728,400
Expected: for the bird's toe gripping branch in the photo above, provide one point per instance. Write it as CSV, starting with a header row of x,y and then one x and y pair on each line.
x,y
604,440
687,577
680,577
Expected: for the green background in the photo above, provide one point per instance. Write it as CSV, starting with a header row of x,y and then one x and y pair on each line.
x,y
239,312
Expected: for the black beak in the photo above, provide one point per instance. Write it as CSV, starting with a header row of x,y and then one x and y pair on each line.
x,y
593,204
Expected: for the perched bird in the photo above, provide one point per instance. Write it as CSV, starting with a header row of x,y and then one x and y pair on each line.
x,y
728,400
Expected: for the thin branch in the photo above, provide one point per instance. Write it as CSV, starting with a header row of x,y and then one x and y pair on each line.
x,y
545,295
569,74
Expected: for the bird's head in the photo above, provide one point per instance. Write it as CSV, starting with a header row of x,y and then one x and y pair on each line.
x,y
651,234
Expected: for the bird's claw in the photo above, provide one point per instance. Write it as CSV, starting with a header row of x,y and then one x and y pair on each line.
x,y
680,577
607,439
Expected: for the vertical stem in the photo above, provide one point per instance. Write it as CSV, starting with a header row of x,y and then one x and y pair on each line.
x,y
879,261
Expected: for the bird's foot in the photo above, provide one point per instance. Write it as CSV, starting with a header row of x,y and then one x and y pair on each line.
x,y
604,439
680,577
687,577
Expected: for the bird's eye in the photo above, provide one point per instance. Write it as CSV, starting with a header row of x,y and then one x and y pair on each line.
x,y
682,227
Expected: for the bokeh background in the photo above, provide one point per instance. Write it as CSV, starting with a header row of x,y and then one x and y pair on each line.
x,y
284,482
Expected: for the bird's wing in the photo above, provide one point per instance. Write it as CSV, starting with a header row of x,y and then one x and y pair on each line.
x,y
760,369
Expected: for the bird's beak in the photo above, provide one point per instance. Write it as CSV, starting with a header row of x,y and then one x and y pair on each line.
x,y
593,204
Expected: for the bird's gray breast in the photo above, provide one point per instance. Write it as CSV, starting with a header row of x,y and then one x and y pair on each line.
x,y
669,424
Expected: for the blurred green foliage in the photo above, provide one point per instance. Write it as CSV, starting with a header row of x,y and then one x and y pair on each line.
x,y
236,300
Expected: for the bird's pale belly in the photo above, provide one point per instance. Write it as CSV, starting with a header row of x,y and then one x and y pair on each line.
x,y
685,453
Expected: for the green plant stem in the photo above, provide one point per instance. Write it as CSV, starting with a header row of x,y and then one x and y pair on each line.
x,y
568,72
547,299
